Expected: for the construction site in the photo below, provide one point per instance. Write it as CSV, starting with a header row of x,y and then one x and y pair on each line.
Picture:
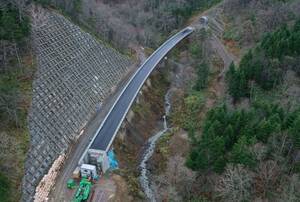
x,y
146,100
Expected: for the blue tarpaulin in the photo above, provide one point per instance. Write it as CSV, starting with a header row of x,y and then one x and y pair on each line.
x,y
113,163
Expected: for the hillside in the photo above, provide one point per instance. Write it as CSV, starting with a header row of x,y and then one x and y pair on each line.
x,y
242,125
75,74
17,67
235,115
131,22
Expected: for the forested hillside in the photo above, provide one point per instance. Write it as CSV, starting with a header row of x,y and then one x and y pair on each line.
x,y
267,63
243,127
247,146
16,73
146,22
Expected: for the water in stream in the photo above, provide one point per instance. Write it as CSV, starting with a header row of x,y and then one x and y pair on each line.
x,y
144,177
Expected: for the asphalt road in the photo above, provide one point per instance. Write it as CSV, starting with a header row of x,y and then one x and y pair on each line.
x,y
112,122
60,191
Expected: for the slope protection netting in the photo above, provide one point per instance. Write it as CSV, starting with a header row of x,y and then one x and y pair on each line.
x,y
75,73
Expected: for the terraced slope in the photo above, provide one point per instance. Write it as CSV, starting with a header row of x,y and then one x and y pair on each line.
x,y
75,74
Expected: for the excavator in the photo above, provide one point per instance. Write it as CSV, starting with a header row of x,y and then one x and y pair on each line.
x,y
83,191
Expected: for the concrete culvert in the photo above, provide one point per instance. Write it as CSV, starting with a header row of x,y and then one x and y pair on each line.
x,y
204,20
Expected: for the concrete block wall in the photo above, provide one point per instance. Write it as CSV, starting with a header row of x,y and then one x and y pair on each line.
x,y
75,73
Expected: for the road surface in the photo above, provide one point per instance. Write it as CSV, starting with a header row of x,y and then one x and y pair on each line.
x,y
112,122
59,192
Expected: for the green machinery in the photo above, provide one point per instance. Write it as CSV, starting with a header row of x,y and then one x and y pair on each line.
x,y
71,184
83,191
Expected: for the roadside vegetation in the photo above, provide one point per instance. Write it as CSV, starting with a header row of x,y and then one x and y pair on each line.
x,y
187,111
16,73
145,115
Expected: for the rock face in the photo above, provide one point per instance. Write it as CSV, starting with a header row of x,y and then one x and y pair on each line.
x,y
75,73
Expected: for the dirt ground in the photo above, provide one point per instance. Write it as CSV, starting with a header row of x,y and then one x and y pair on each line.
x,y
121,194
109,188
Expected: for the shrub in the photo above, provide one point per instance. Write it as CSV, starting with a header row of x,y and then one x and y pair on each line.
x,y
4,188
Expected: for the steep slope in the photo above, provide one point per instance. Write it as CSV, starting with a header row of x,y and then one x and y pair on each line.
x,y
247,150
75,73
17,67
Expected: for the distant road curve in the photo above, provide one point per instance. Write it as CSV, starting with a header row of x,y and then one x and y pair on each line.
x,y
114,118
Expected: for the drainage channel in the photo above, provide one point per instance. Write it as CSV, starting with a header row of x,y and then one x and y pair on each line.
x,y
144,173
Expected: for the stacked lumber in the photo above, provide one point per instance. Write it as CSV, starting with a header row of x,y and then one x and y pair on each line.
x,y
44,187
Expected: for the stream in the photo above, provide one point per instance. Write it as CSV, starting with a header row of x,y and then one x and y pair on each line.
x,y
151,143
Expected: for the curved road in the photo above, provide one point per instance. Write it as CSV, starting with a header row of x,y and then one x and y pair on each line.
x,y
113,120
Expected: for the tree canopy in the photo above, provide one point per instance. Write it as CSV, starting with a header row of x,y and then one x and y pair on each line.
x,y
228,135
264,65
12,27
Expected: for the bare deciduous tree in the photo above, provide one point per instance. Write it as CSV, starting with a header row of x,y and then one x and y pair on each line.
x,y
291,189
235,184
268,175
9,107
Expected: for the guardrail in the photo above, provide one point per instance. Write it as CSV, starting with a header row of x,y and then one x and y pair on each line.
x,y
181,35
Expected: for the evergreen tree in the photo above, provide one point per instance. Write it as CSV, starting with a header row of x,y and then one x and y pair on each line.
x,y
296,27
230,73
237,83
246,64
265,128
202,77
229,136
233,86
243,85
295,132
11,28
255,71
289,119
5,188
217,151
241,154
207,154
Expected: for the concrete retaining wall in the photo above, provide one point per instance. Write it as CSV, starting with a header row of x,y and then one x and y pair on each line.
x,y
75,73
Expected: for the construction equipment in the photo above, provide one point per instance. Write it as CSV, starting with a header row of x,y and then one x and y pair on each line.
x,y
83,191
88,170
71,184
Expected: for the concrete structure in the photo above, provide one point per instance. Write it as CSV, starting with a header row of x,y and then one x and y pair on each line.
x,y
75,73
109,127
88,170
98,158
204,20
